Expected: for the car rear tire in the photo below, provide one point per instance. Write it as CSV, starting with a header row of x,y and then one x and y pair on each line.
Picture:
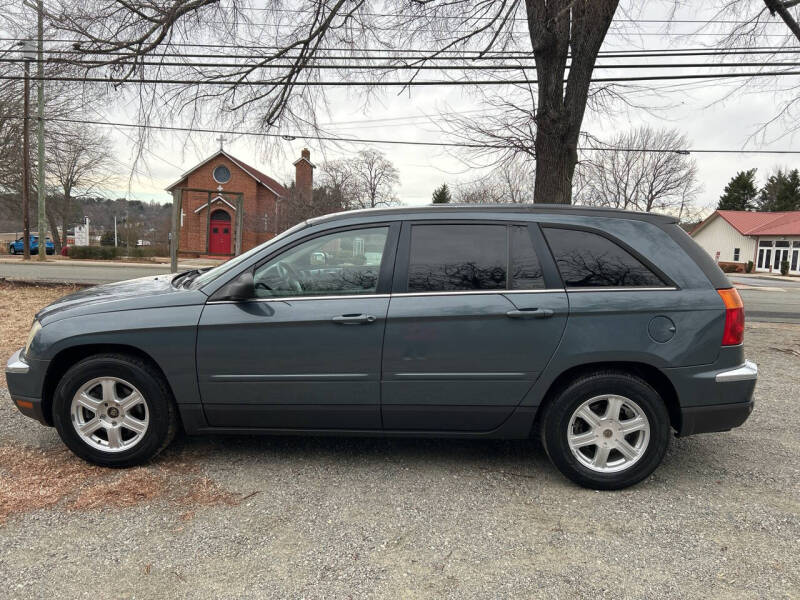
x,y
114,410
606,430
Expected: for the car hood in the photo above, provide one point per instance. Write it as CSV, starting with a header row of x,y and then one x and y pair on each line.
x,y
145,292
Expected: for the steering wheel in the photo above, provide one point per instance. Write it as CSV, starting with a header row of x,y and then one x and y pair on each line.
x,y
289,275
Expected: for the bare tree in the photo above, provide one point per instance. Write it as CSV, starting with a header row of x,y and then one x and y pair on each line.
x,y
79,159
744,26
782,8
375,179
284,77
338,175
642,169
64,99
509,183
367,180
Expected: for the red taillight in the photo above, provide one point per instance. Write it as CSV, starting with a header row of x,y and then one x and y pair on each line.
x,y
734,317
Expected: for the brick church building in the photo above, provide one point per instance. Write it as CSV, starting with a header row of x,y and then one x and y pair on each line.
x,y
224,199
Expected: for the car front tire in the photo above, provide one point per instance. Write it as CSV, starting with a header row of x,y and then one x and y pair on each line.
x,y
606,430
114,410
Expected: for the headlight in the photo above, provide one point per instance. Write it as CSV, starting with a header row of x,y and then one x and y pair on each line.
x,y
32,334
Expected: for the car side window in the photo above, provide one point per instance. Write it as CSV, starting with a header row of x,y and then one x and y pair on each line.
x,y
342,263
586,259
457,257
472,257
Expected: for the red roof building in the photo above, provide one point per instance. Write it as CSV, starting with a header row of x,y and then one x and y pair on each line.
x,y
228,206
766,238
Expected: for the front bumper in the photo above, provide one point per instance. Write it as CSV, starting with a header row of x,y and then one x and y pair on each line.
x,y
735,386
24,378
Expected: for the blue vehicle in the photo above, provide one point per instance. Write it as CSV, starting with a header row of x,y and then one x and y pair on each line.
x,y
18,246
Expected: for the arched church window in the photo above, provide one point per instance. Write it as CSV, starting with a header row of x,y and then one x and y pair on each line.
x,y
220,215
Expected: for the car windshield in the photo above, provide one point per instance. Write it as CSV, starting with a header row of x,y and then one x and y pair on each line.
x,y
212,274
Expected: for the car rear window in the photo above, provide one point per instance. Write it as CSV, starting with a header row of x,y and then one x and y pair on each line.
x,y
455,257
587,259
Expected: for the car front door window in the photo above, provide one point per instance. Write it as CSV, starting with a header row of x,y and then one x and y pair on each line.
x,y
337,264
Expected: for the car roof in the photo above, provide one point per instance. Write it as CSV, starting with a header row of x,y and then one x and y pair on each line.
x,y
455,209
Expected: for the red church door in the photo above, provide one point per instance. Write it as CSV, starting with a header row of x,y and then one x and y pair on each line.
x,y
219,235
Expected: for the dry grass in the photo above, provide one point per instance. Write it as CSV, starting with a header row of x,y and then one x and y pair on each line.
x,y
19,303
33,479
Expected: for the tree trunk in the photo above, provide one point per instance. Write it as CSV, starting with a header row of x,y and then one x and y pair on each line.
x,y
781,9
557,27
556,158
54,231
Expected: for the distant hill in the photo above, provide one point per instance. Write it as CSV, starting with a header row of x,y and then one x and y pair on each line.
x,y
151,220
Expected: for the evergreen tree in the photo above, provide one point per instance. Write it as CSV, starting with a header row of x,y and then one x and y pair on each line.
x,y
740,193
441,195
781,192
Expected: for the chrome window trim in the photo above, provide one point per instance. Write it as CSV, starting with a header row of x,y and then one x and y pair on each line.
x,y
475,292
393,295
448,293
623,289
301,298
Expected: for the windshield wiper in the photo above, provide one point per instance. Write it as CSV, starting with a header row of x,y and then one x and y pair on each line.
x,y
181,277
192,275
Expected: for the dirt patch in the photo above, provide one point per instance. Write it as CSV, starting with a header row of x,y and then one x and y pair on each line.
x,y
33,479
19,303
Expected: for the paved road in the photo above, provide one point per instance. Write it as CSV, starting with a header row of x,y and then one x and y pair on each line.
x,y
78,273
769,300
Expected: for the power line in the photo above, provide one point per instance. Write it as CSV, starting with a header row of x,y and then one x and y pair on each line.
x,y
380,49
410,53
290,137
418,58
415,83
403,67
519,19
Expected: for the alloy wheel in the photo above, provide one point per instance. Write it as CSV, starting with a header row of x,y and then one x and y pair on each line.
x,y
109,414
608,433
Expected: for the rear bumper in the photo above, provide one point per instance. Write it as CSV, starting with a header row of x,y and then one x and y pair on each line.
x,y
735,386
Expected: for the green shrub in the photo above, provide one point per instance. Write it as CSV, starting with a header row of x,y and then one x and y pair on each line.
x,y
749,267
730,268
785,267
148,251
93,252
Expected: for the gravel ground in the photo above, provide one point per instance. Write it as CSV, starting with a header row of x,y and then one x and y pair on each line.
x,y
247,517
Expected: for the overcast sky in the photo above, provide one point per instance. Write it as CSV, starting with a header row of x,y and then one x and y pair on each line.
x,y
700,110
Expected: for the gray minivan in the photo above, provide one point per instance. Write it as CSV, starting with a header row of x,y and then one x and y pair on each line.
x,y
598,331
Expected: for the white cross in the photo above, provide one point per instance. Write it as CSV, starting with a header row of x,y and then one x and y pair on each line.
x,y
221,141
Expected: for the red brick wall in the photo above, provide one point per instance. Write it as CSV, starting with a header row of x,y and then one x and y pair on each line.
x,y
257,201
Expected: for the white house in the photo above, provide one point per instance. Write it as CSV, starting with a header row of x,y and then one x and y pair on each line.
x,y
738,236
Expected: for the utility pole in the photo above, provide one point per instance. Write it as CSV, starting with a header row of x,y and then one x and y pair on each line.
x,y
174,234
115,231
28,55
40,132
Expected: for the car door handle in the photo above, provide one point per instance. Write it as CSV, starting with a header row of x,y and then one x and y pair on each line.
x,y
530,313
360,319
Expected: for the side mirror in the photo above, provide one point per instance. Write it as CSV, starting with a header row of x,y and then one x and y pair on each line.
x,y
318,258
241,288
